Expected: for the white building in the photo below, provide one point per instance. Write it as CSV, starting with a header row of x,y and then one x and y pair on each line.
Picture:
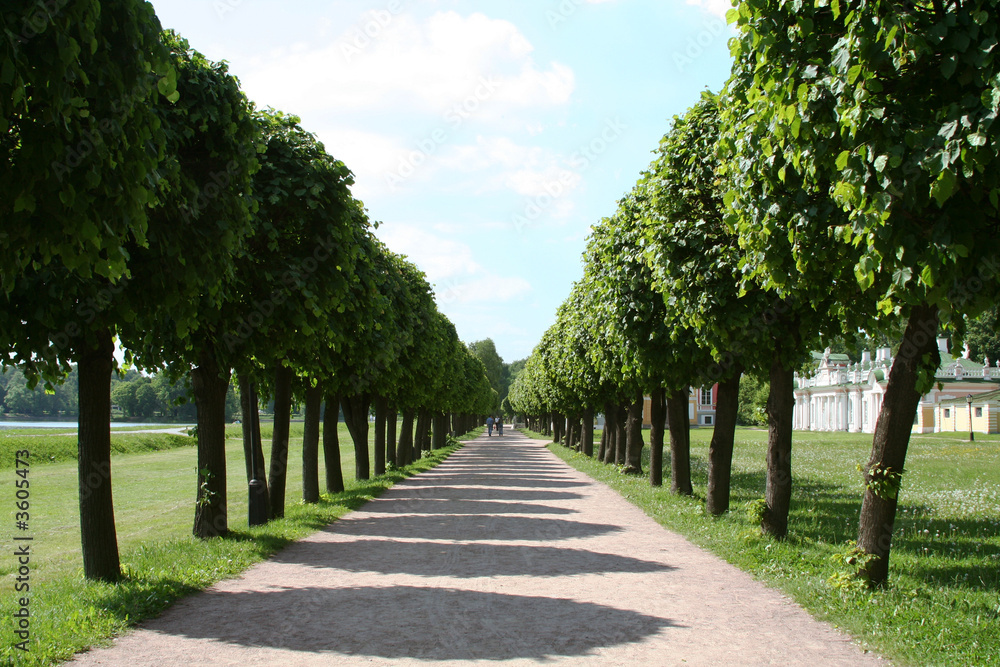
x,y
841,396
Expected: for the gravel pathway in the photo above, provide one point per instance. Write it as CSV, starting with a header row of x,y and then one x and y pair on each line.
x,y
502,553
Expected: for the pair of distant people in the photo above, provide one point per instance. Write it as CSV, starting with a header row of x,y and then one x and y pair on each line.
x,y
490,423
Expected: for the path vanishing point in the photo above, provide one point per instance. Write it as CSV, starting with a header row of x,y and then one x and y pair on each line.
x,y
501,554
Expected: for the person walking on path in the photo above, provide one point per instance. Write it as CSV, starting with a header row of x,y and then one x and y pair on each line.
x,y
499,425
489,426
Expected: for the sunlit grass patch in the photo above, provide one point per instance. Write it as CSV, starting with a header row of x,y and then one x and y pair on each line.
x,y
942,606
161,561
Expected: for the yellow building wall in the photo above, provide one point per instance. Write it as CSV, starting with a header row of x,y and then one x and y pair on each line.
x,y
647,419
926,415
947,423
958,421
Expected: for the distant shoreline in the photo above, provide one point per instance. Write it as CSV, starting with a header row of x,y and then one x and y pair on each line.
x,y
11,423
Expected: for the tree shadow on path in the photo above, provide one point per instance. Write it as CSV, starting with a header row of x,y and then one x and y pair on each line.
x,y
411,622
466,561
472,527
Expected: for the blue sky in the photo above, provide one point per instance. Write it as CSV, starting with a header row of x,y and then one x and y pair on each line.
x,y
485,136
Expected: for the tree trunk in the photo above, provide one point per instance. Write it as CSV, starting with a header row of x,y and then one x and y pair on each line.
x,y
390,435
210,384
680,441
310,444
610,432
633,437
404,452
587,437
97,510
720,451
658,421
247,408
780,410
331,445
422,442
259,505
279,439
356,415
418,435
440,431
381,407
621,434
891,439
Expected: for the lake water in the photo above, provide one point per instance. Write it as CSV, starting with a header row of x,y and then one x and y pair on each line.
x,y
72,425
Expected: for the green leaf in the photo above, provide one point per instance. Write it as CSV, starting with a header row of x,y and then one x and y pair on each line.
x,y
891,36
26,202
853,74
803,94
944,186
842,160
168,83
88,232
880,163
902,276
949,66
927,275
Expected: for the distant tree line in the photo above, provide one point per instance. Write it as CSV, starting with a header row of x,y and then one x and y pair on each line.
x,y
500,373
133,396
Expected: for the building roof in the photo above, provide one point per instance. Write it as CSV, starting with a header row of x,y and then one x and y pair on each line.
x,y
837,358
968,365
977,399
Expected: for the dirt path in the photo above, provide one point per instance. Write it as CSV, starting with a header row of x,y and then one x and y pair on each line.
x,y
501,553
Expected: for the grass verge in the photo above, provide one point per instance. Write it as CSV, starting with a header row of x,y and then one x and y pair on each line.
x,y
942,606
162,562
59,448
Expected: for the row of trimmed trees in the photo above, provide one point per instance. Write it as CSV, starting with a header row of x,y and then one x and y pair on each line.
x,y
143,198
846,178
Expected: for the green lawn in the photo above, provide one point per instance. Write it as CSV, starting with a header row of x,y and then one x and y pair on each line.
x,y
55,447
154,512
943,603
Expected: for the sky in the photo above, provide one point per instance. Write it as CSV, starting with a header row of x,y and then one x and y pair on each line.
x,y
486,136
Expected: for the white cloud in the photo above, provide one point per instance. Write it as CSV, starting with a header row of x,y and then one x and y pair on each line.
x,y
717,7
525,170
440,258
428,65
458,279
